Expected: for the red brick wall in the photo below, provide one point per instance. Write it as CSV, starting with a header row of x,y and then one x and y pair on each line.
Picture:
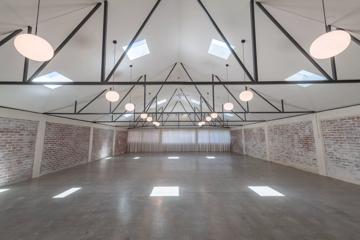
x,y
342,147
102,143
120,142
237,142
255,144
65,146
293,145
17,148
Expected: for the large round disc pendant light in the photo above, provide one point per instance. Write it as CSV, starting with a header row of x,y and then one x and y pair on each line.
x,y
246,95
149,119
112,96
129,107
330,44
32,46
228,106
208,118
214,115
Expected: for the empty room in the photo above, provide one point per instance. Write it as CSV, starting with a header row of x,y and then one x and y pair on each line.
x,y
179,119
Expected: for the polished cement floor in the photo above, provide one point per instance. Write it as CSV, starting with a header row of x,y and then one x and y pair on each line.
x,y
214,203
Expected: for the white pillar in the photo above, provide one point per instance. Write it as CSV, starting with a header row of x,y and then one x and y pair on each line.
x,y
39,146
319,146
90,143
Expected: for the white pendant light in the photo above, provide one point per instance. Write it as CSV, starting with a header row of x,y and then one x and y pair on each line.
x,y
149,119
228,106
201,124
246,95
32,46
208,118
143,115
112,96
214,115
330,44
157,124
129,107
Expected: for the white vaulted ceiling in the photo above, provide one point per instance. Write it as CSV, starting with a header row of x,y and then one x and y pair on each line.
x,y
179,31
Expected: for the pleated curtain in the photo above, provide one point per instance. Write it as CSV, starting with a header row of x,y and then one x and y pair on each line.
x,y
178,140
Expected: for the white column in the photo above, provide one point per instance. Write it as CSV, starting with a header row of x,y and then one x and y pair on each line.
x,y
39,146
267,143
243,140
90,143
114,142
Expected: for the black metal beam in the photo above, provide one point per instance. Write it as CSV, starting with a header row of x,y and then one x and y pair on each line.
x,y
332,60
128,92
226,41
66,40
26,61
92,100
231,94
266,100
292,39
132,41
104,40
10,36
177,83
253,39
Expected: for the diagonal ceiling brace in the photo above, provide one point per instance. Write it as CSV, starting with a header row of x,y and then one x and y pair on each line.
x,y
10,36
297,45
226,41
132,41
262,97
66,40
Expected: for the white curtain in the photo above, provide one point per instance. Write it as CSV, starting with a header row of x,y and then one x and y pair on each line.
x,y
179,140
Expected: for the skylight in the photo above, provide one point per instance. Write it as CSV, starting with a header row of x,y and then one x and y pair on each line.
x,y
195,101
67,192
4,190
229,114
305,76
219,49
138,49
52,77
165,192
265,191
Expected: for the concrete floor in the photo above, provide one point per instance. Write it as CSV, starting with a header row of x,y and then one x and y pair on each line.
x,y
214,202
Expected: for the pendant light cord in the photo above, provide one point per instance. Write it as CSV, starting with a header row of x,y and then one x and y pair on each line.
x,y
243,57
131,72
113,77
324,12
37,17
227,78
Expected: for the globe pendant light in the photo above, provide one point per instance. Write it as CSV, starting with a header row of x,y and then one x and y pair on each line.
x,y
201,124
208,118
246,95
129,107
112,95
149,119
214,115
156,124
32,46
228,106
330,44
143,115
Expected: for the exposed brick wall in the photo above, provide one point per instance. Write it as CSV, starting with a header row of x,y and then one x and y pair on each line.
x,y
17,148
65,146
255,144
102,143
342,147
293,145
237,142
120,142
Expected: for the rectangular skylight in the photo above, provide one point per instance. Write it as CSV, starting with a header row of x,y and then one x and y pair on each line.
x,y
305,76
138,49
265,191
173,157
67,192
4,190
52,77
219,49
210,157
165,192
195,101
229,114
